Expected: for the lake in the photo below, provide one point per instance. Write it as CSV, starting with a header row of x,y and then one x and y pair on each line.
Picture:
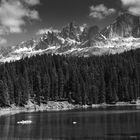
x,y
111,123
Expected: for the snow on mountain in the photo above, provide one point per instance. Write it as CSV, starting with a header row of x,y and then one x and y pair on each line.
x,y
122,35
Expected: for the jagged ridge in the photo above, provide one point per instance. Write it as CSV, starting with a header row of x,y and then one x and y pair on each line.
x,y
122,35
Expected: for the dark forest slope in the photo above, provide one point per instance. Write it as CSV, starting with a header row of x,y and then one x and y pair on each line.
x,y
78,80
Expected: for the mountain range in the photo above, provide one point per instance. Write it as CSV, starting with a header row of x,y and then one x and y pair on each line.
x,y
82,41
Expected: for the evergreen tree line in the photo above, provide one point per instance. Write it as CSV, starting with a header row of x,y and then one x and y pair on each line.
x,y
79,80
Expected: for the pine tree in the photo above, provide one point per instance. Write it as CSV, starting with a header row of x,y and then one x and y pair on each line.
x,y
26,85
102,93
4,96
10,90
61,83
46,86
109,93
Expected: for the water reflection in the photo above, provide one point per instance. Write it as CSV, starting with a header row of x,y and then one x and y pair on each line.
x,y
97,124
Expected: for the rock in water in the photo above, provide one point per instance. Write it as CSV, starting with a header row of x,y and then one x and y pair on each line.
x,y
24,122
74,122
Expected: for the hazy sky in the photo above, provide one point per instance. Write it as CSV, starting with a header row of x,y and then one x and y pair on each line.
x,y
23,19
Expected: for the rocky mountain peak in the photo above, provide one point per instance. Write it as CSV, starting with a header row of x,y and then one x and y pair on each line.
x,y
71,31
123,34
125,25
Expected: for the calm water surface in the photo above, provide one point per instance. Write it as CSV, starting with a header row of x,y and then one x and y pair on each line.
x,y
112,123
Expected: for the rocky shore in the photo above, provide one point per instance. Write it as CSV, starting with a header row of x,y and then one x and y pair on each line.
x,y
30,107
56,106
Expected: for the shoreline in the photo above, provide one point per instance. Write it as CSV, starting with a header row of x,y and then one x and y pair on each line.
x,y
30,107
56,106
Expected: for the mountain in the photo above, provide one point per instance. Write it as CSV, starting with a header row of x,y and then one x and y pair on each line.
x,y
125,25
122,35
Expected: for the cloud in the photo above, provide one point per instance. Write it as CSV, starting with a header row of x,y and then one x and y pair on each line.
x,y
100,11
132,6
32,2
45,30
2,41
14,15
130,2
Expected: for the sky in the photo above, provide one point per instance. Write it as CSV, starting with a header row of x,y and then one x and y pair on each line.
x,y
22,20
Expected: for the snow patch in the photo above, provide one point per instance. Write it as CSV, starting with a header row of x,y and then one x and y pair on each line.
x,y
72,41
62,39
20,50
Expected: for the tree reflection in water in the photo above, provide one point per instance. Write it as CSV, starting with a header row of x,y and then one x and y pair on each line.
x,y
117,123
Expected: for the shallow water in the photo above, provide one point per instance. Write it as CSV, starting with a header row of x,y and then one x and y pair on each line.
x,y
111,123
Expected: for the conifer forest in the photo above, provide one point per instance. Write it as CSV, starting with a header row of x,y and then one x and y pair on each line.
x,y
79,80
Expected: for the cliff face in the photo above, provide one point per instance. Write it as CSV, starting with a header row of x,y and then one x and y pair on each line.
x,y
125,25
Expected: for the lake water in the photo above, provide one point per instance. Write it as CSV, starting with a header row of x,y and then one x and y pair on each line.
x,y
112,123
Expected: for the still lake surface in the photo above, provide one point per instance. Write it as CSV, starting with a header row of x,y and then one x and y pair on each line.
x,y
111,123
